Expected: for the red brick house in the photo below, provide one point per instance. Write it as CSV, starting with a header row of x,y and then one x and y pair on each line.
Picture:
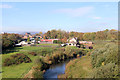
x,y
27,35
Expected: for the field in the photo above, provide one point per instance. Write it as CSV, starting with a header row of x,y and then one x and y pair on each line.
x,y
18,71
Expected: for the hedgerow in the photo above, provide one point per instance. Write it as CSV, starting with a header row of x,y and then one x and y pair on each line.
x,y
17,59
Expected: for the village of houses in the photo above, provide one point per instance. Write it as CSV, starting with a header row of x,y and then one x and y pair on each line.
x,y
71,42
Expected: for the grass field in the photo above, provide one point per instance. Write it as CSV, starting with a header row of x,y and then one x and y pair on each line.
x,y
18,71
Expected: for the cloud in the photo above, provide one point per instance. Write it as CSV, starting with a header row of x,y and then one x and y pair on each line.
x,y
5,6
96,17
75,12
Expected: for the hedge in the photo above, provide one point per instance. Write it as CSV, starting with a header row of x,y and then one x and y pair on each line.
x,y
16,59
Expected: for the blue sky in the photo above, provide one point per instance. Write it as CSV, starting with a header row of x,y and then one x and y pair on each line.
x,y
69,16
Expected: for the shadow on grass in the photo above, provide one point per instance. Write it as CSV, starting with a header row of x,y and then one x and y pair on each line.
x,y
1,71
11,50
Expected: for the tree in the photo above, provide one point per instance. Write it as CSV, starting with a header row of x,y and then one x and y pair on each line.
x,y
28,39
37,39
9,40
71,34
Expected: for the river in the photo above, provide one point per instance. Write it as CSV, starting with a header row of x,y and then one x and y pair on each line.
x,y
55,70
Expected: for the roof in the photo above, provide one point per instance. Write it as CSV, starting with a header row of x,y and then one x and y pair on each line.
x,y
73,38
49,40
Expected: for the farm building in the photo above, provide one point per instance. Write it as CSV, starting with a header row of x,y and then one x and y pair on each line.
x,y
47,40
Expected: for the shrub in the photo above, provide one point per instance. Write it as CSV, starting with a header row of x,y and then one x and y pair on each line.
x,y
107,54
16,59
38,74
68,50
108,71
38,63
61,49
105,61
33,53
57,41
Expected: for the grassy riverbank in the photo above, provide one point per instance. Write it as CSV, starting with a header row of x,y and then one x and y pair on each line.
x,y
46,55
18,71
101,63
99,58
78,68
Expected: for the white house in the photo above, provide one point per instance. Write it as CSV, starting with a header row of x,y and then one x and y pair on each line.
x,y
72,42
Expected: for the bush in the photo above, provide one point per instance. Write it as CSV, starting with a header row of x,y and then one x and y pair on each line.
x,y
108,71
107,54
16,59
57,41
105,61
33,53
68,50
38,74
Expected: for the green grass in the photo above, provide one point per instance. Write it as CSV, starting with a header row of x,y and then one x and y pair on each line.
x,y
25,50
72,47
18,71
49,44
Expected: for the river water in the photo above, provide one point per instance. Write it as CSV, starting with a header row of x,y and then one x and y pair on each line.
x,y
55,70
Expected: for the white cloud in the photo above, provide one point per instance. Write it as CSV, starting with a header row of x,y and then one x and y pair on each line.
x,y
96,17
5,6
75,12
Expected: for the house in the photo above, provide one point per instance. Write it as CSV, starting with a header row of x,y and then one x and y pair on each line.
x,y
82,42
47,40
39,37
85,42
72,42
27,35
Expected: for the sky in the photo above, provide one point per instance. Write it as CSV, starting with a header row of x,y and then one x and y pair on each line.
x,y
68,16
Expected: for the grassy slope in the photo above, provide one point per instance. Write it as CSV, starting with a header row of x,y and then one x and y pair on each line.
x,y
18,71
78,68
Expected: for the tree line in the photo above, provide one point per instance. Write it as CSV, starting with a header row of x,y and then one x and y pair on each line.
x,y
99,35
8,40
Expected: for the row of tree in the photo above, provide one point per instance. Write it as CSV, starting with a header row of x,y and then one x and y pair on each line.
x,y
8,40
99,35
